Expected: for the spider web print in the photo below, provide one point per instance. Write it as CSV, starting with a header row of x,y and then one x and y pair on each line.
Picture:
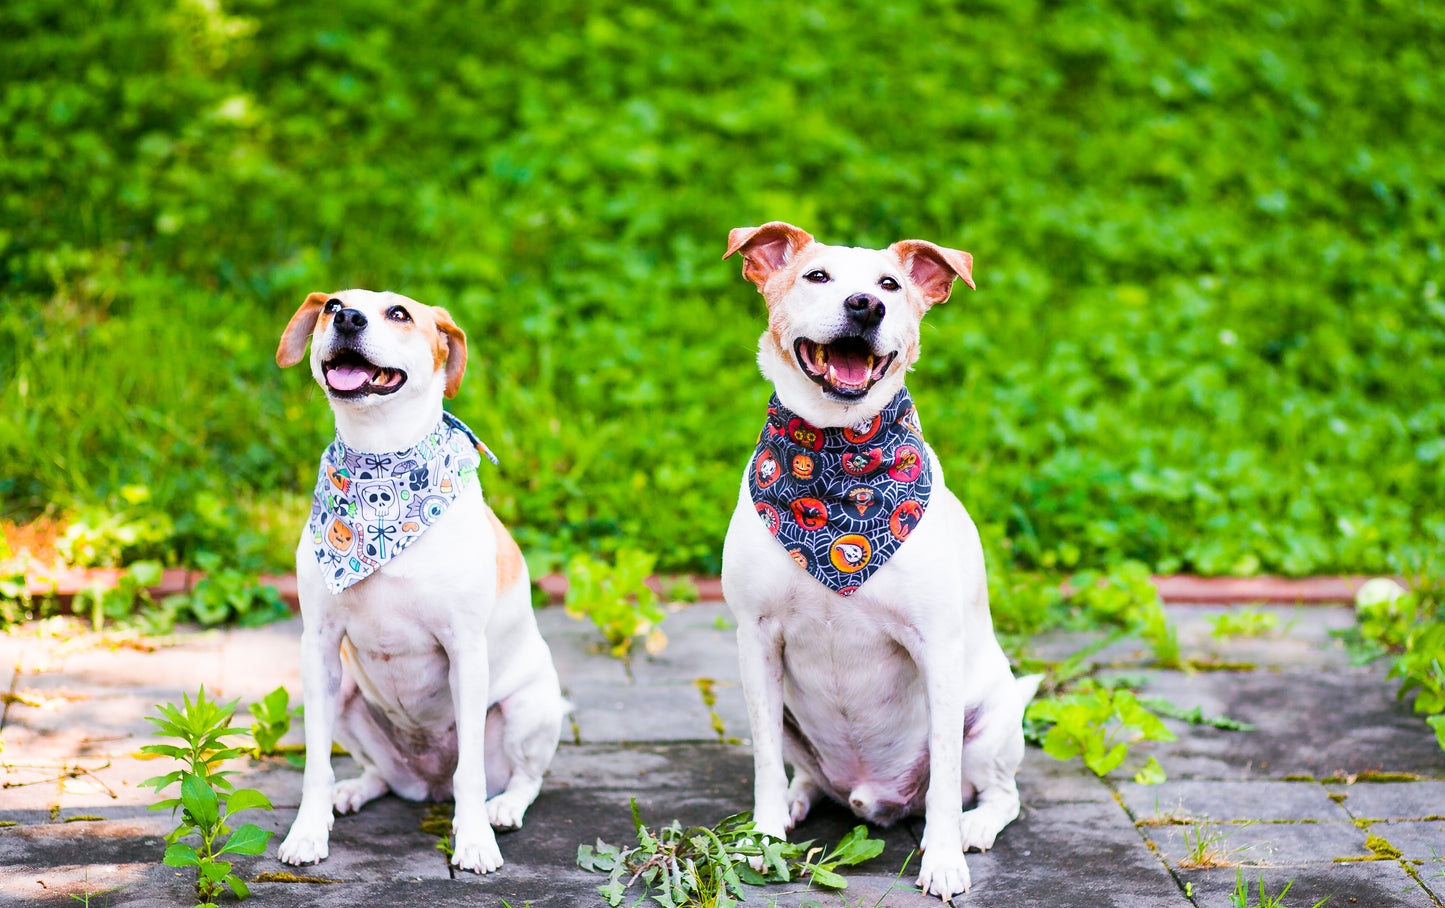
x,y
367,508
841,501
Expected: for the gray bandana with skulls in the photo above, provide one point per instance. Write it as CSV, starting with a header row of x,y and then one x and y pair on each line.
x,y
369,507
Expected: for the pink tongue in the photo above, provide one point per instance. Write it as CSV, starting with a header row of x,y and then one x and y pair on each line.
x,y
851,368
347,378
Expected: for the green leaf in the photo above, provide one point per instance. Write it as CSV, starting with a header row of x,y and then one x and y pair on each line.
x,y
827,878
246,799
1151,774
215,871
237,885
179,854
200,801
248,839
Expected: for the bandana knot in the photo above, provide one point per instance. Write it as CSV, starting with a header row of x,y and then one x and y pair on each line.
x,y
841,500
369,507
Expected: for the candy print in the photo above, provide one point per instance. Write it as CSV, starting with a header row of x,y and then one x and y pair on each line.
x,y
397,497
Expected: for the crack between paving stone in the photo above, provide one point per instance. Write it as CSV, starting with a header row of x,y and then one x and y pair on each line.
x,y
10,695
1139,831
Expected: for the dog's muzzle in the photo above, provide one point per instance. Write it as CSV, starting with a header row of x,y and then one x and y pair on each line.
x,y
845,367
348,374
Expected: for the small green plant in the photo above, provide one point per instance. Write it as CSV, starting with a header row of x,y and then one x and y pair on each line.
x,y
617,599
228,595
1100,725
126,598
1127,597
1201,844
709,865
273,719
207,800
1247,622
1239,898
1409,627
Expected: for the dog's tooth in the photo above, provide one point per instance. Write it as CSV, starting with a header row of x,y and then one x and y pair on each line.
x,y
832,375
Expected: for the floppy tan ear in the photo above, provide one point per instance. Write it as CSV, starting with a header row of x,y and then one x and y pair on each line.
x,y
933,268
453,343
767,248
292,349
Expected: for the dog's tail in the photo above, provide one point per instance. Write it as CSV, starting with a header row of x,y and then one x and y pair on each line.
x,y
1026,687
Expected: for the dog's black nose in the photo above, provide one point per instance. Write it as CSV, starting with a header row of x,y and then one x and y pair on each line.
x,y
865,309
350,321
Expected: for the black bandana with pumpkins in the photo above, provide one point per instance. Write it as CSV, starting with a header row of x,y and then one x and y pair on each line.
x,y
841,500
367,508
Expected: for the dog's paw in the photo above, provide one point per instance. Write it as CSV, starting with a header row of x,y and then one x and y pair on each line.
x,y
347,796
978,831
505,813
944,875
477,851
304,846
800,801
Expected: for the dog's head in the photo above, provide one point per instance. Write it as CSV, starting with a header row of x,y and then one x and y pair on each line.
x,y
370,350
843,322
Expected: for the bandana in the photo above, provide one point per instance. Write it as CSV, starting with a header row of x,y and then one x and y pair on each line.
x,y
369,507
841,501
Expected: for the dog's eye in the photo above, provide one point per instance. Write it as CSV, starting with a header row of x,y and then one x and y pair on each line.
x,y
332,306
817,276
890,284
398,314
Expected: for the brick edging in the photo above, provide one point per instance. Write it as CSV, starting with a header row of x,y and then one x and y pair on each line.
x,y
65,583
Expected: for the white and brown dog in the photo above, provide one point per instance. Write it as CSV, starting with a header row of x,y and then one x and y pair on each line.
x,y
419,646
869,664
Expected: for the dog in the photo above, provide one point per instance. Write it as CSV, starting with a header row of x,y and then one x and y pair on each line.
x,y
418,645
865,643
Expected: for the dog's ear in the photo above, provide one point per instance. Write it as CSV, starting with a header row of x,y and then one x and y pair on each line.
x,y
767,248
451,348
292,349
934,268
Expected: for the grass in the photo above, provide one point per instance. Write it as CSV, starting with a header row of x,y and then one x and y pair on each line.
x,y
1206,235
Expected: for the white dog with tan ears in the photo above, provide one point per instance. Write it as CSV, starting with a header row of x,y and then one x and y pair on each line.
x,y
857,578
419,645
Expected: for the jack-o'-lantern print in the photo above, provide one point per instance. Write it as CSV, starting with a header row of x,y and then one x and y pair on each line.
x,y
861,463
801,432
766,468
850,553
811,513
863,431
845,499
802,466
904,519
861,500
339,536
907,464
339,478
769,516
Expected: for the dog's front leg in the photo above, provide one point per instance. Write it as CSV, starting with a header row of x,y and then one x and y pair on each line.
x,y
320,683
760,657
476,845
944,871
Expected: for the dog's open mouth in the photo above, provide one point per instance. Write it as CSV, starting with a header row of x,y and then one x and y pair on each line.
x,y
349,374
846,367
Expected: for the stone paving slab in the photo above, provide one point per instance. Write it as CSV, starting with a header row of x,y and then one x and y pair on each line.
x,y
1309,723
645,730
1406,800
1265,844
1366,884
1231,801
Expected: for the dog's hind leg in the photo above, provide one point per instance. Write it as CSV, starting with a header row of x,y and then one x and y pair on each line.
x,y
370,746
993,749
522,734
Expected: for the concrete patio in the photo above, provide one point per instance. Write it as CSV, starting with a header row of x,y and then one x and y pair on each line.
x,y
1336,771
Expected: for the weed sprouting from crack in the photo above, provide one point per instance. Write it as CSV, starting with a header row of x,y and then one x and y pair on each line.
x,y
1201,841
